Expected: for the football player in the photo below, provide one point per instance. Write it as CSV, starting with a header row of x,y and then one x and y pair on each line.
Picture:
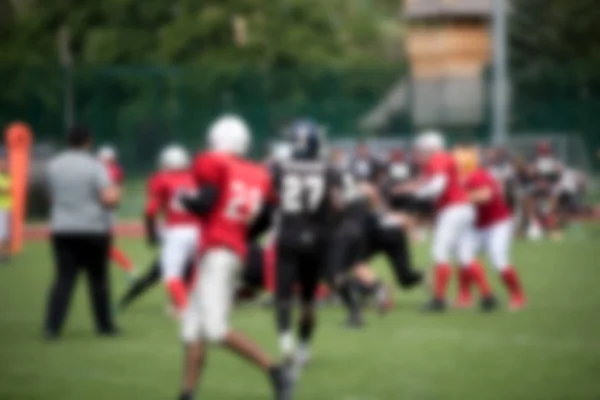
x,y
180,236
232,192
308,198
108,156
493,232
454,218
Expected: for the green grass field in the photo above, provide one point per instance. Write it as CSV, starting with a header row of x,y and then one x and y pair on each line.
x,y
549,351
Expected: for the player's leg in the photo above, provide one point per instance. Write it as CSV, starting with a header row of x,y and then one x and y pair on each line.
x,y
141,285
192,321
368,285
346,249
122,261
309,274
178,245
467,250
96,263
393,242
66,270
286,276
498,248
444,240
219,270
466,276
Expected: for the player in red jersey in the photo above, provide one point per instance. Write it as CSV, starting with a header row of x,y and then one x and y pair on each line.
x,y
493,231
180,235
454,218
108,156
233,191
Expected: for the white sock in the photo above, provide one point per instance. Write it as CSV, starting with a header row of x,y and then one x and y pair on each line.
x,y
303,353
286,343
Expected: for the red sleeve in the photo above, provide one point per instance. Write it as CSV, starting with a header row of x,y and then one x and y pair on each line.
x,y
116,174
155,196
478,180
437,165
207,170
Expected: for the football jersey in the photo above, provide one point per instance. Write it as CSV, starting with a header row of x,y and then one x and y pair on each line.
x,y
366,168
115,172
165,191
243,188
548,169
453,193
305,208
493,211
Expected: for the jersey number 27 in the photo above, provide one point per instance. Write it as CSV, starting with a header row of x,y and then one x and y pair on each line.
x,y
297,188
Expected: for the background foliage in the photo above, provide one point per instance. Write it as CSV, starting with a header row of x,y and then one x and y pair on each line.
x,y
156,68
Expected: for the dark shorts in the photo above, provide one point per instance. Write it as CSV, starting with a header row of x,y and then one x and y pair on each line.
x,y
302,267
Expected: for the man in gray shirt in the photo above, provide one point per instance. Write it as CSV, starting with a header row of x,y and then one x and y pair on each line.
x,y
81,197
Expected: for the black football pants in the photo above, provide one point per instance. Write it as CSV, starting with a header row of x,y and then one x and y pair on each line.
x,y
74,253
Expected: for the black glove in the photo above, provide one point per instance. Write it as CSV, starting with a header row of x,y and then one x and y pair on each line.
x,y
151,232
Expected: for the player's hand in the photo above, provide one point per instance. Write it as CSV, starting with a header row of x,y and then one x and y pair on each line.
x,y
152,240
405,188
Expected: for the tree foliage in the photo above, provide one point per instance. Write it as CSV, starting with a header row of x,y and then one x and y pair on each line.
x,y
555,38
284,32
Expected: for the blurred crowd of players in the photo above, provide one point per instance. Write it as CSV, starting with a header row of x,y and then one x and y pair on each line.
x,y
303,225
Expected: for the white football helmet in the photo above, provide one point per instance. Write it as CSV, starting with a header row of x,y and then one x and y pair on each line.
x,y
174,157
229,134
430,142
107,153
281,152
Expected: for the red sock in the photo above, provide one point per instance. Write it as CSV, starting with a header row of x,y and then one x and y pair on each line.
x,y
270,258
121,259
464,283
511,280
322,292
178,293
478,276
441,278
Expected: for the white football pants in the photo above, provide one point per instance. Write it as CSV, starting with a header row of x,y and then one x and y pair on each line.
x,y
495,240
207,315
179,244
452,235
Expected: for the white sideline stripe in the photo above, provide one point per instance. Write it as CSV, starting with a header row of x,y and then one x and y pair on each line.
x,y
487,339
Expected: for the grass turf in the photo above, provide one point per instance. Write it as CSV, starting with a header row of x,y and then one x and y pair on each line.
x,y
549,351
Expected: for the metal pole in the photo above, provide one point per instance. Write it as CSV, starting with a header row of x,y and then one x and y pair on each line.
x,y
66,58
500,75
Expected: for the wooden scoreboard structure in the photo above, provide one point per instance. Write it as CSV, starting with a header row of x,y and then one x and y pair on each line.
x,y
449,47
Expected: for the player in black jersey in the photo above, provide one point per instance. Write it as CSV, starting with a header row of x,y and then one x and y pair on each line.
x,y
308,201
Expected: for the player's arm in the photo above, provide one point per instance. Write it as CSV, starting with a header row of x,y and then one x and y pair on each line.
x,y
480,195
202,202
480,188
265,217
432,187
154,205
207,174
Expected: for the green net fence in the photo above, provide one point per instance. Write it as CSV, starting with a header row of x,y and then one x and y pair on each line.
x,y
139,109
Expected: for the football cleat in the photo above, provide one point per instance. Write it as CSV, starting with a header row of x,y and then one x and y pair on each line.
x,y
489,304
281,382
355,321
435,306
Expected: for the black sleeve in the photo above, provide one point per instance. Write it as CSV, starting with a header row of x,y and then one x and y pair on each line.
x,y
262,222
203,202
151,231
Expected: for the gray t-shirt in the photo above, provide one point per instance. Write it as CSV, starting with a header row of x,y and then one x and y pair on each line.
x,y
75,179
